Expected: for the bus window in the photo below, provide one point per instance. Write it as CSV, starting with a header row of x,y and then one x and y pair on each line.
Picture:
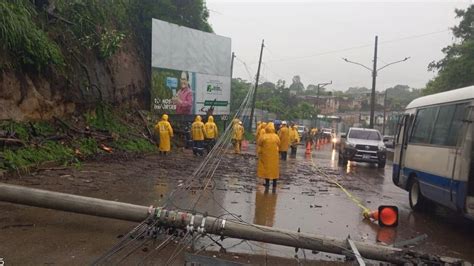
x,y
423,125
442,125
456,125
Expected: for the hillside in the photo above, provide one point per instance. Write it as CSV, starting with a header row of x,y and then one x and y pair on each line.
x,y
59,57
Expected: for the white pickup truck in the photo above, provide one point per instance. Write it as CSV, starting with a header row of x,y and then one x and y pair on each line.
x,y
362,145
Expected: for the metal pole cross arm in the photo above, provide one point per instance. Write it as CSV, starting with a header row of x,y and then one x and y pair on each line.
x,y
389,64
359,64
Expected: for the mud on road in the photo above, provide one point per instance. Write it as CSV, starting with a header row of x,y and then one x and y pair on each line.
x,y
303,199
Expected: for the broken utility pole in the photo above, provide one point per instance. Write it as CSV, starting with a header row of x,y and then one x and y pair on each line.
x,y
211,225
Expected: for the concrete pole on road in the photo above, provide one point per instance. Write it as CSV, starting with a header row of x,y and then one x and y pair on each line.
x,y
207,224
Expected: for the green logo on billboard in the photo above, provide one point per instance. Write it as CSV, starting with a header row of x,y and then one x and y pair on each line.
x,y
216,103
212,88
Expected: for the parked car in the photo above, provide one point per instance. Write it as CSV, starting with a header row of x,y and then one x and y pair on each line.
x,y
363,145
300,130
389,141
327,132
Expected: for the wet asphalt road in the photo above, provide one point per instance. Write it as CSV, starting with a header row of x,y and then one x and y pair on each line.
x,y
303,199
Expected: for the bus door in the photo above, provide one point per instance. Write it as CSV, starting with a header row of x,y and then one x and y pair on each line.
x,y
461,162
400,148
469,160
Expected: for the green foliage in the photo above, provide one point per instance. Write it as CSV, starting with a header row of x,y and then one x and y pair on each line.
x,y
135,145
24,39
400,96
104,119
43,128
16,129
98,25
239,89
87,146
456,69
110,43
29,156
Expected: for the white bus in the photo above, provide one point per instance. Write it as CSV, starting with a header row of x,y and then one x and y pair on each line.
x,y
433,151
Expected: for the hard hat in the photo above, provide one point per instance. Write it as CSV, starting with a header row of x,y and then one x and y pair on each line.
x,y
240,122
283,123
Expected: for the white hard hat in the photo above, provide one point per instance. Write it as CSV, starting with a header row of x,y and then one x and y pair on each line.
x,y
283,123
240,122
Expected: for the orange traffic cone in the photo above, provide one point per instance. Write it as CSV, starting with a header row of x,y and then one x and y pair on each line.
x,y
308,148
385,215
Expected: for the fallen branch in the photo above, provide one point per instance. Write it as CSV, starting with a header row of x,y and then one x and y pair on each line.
x,y
13,140
83,132
146,123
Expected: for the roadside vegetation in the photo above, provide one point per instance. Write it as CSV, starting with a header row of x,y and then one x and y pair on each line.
x,y
104,130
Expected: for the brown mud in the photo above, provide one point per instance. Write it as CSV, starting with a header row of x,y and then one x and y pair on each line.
x,y
304,199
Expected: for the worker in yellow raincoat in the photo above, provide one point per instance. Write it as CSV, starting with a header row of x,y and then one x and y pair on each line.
x,y
211,133
261,132
284,135
165,131
269,145
237,135
294,139
197,134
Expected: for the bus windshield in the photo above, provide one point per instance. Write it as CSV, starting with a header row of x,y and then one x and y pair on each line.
x,y
364,134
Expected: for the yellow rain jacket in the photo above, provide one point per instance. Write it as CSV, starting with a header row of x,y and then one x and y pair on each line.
x,y
238,132
294,136
197,129
265,207
284,135
211,128
269,147
164,129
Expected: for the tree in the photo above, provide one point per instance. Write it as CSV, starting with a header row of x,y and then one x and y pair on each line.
x,y
280,84
239,89
456,69
357,90
297,85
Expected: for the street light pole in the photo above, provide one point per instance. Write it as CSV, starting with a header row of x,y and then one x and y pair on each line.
x,y
374,72
374,80
321,85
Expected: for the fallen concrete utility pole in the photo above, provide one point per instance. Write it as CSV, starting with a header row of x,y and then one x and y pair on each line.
x,y
211,225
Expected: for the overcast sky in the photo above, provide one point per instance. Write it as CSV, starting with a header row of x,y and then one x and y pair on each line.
x,y
309,38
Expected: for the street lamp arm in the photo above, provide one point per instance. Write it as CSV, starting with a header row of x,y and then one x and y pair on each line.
x,y
399,61
348,61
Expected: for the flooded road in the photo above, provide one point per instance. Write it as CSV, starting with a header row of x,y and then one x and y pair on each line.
x,y
304,199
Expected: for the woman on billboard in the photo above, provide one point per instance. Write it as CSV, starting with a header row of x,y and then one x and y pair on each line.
x,y
184,97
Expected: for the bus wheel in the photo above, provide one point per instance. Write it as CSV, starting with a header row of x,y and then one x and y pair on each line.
x,y
416,198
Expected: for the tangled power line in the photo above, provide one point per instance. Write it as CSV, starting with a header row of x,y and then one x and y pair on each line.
x,y
184,197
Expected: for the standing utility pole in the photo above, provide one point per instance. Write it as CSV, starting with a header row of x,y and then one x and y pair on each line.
x,y
231,75
321,85
374,72
384,111
256,86
374,79
232,66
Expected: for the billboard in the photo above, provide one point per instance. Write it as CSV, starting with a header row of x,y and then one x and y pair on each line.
x,y
191,71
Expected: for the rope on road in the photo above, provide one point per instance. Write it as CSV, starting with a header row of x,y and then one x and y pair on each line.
x,y
331,179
